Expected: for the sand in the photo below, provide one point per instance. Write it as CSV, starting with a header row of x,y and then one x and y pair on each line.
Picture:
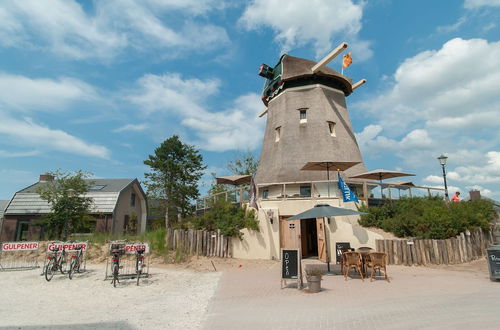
x,y
171,298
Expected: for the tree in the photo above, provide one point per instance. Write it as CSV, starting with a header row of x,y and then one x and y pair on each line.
x,y
70,210
245,163
175,170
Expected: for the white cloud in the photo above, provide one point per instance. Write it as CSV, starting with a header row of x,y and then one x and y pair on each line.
x,y
23,93
131,128
14,154
297,23
235,128
170,94
433,179
68,30
371,142
447,83
26,132
474,4
486,173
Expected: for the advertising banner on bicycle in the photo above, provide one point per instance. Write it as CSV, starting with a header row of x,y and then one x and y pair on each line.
x,y
19,255
132,264
67,252
68,246
131,248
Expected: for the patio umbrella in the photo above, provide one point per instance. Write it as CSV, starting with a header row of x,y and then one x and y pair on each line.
x,y
401,184
327,165
380,174
322,211
234,180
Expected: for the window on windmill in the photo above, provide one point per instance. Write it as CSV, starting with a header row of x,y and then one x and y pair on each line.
x,y
331,128
303,115
278,133
305,191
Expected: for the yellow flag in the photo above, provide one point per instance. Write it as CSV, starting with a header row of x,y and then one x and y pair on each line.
x,y
347,60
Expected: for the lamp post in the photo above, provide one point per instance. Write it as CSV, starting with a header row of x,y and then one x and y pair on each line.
x,y
442,160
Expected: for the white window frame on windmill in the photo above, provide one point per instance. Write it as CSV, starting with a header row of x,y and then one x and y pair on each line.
x,y
303,115
277,131
331,128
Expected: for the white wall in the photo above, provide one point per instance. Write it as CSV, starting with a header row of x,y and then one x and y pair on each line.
x,y
265,244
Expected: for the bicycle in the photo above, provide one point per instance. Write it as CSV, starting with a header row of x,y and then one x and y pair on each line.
x,y
139,262
55,263
116,251
76,261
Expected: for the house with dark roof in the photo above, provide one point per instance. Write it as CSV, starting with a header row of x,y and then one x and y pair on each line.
x,y
119,205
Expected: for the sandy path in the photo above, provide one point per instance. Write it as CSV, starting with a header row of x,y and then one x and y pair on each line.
x,y
169,299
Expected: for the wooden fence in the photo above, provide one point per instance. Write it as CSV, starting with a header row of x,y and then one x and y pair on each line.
x,y
455,250
200,242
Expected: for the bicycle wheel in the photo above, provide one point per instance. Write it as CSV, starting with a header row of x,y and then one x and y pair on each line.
x,y
115,275
49,270
62,264
72,268
139,272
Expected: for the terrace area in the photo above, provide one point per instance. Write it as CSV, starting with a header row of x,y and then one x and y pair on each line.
x,y
371,192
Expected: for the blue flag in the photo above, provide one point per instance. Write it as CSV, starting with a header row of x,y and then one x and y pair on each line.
x,y
347,194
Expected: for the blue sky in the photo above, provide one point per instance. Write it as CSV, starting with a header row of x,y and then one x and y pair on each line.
x,y
97,85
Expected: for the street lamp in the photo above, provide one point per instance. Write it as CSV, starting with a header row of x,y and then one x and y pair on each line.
x,y
442,160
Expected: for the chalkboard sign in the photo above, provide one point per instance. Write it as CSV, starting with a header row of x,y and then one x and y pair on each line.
x,y
494,262
339,247
290,264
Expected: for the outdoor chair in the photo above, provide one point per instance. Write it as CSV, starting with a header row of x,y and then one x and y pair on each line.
x,y
378,261
352,260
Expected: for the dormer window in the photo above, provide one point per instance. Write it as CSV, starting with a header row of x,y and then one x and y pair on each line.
x,y
277,134
331,128
303,115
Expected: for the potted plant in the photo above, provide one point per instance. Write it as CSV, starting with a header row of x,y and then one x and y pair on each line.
x,y
313,276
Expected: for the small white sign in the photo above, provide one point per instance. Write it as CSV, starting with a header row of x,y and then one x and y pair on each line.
x,y
131,248
409,243
20,246
68,246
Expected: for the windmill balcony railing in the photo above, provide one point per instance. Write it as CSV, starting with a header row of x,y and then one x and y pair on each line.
x,y
373,193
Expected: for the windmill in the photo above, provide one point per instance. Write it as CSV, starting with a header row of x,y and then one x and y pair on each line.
x,y
307,119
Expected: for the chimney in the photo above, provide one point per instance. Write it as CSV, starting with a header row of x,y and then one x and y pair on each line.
x,y
475,195
46,177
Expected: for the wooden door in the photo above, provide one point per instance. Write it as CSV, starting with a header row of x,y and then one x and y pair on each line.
x,y
320,229
289,233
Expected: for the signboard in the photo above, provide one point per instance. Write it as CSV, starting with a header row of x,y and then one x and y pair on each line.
x,y
290,264
131,248
339,247
68,246
494,262
20,246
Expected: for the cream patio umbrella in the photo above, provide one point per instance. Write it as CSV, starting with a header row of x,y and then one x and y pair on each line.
x,y
327,165
380,174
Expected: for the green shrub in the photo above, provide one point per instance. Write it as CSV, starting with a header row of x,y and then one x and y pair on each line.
x,y
429,217
228,218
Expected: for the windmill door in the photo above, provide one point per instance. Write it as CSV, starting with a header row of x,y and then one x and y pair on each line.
x,y
289,233
320,226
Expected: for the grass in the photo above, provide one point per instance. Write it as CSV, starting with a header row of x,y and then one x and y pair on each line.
x,y
156,239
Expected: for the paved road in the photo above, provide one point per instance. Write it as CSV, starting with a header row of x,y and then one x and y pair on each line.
x,y
416,298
